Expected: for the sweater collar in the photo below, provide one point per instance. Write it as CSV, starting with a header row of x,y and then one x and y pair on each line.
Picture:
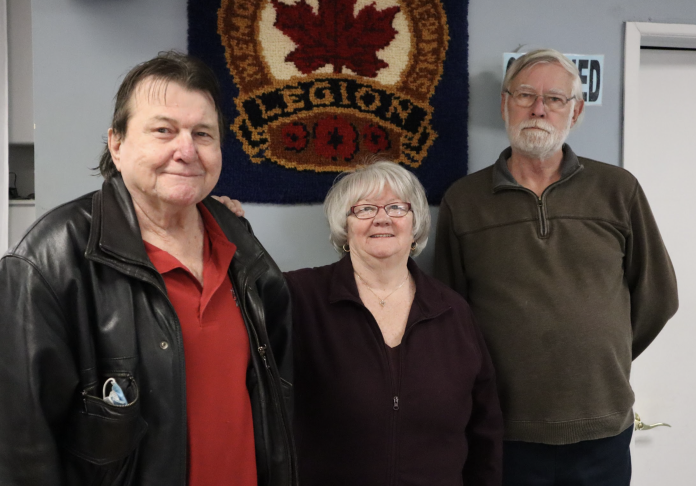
x,y
427,303
502,178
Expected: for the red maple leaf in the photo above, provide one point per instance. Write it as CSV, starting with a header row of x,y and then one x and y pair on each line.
x,y
335,36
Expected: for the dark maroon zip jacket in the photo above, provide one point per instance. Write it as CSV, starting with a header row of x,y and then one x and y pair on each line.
x,y
437,424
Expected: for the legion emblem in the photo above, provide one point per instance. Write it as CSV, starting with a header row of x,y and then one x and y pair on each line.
x,y
324,83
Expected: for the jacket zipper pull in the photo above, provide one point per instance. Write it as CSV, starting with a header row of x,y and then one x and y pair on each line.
x,y
262,352
396,403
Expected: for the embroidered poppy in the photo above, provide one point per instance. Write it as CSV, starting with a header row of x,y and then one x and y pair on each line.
x,y
375,138
295,136
335,138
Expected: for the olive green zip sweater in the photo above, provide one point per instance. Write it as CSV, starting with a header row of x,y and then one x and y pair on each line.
x,y
568,289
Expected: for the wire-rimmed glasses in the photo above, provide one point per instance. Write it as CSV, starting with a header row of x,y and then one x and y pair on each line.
x,y
552,101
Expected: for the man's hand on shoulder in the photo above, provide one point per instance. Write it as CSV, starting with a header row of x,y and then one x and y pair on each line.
x,y
231,204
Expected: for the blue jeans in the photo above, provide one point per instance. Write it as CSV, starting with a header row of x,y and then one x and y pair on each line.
x,y
601,462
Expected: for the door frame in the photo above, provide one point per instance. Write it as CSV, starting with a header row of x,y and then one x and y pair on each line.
x,y
637,35
657,395
4,133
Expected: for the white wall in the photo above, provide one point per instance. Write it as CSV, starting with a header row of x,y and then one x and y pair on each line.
x,y
83,47
20,72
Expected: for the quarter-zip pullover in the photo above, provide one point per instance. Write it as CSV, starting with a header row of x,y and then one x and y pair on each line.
x,y
568,289
436,423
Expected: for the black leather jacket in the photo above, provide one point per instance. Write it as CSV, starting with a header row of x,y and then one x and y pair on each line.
x,y
80,302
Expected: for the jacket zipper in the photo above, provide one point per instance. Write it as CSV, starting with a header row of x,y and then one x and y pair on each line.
x,y
262,352
396,377
395,402
394,416
276,397
543,223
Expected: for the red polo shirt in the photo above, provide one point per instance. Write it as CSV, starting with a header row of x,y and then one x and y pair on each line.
x,y
216,350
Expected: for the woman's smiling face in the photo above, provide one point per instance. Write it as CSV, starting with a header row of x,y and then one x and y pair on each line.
x,y
383,236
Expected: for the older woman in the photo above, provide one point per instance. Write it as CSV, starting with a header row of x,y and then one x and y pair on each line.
x,y
138,320
393,382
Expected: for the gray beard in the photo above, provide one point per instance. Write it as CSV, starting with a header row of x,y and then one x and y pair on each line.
x,y
537,144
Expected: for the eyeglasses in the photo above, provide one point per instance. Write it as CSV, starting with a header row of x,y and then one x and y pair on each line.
x,y
552,101
369,211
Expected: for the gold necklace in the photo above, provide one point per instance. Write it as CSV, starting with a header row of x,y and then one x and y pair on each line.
x,y
382,301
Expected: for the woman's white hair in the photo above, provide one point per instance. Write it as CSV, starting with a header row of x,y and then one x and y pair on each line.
x,y
545,56
370,180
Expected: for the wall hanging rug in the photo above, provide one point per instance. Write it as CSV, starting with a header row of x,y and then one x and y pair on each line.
x,y
312,88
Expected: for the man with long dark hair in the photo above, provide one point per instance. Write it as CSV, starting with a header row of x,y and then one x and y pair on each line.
x,y
145,331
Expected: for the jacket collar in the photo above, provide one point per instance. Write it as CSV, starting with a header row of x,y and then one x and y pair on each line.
x,y
249,251
427,303
115,230
502,178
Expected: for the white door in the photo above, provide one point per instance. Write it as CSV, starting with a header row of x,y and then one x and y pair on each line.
x,y
664,376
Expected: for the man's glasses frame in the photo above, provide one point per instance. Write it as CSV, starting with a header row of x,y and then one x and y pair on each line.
x,y
552,101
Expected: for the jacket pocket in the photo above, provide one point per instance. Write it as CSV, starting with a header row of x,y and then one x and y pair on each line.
x,y
101,440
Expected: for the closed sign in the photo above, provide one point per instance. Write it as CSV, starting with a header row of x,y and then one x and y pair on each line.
x,y
591,69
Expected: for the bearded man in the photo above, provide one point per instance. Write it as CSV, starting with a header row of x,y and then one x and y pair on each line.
x,y
564,267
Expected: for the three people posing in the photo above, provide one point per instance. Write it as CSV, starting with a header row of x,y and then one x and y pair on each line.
x,y
152,286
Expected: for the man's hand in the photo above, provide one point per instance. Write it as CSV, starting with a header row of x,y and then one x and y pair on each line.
x,y
232,204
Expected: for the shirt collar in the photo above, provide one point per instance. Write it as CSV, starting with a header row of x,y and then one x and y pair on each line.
x,y
215,245
502,178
